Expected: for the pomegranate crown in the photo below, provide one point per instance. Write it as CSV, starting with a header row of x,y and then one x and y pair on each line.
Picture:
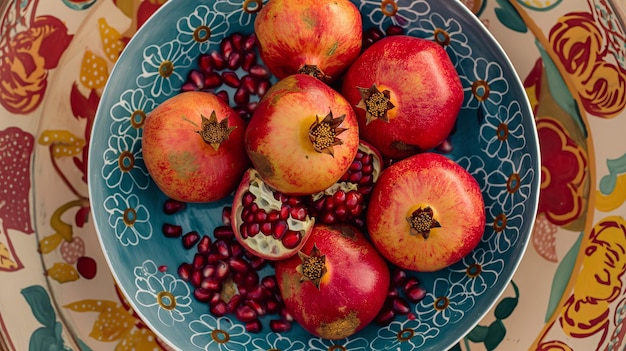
x,y
323,134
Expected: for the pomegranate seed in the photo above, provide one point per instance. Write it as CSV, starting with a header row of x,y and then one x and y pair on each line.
x,y
226,47
257,293
202,294
394,30
245,313
226,213
252,106
215,298
219,62
249,60
234,302
195,278
279,325
353,198
184,271
416,293
254,229
212,80
208,271
237,40
269,282
249,42
249,83
219,308
188,87
199,261
214,257
410,283
236,250
291,239
238,265
257,263
254,326
263,87
400,306
223,232
211,283
221,247
260,72
235,60
272,305
231,79
172,230
339,196
196,78
162,268
286,315
367,168
249,279
385,316
205,62
398,277
222,270
222,94
190,239
257,306
204,245
172,206
242,96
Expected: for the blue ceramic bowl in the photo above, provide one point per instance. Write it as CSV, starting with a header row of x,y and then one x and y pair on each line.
x,y
495,140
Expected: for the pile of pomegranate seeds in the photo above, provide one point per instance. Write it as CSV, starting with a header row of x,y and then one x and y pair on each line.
x,y
226,276
234,65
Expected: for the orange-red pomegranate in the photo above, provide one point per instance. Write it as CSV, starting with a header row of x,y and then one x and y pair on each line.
x,y
316,37
336,284
426,212
193,147
407,95
302,136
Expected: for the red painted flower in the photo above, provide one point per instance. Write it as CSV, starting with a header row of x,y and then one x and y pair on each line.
x,y
563,173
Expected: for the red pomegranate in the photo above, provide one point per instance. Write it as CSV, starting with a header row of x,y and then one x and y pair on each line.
x,y
302,136
406,93
426,212
266,222
193,147
316,37
336,284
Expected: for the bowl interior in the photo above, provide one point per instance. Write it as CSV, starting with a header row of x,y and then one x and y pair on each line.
x,y
495,139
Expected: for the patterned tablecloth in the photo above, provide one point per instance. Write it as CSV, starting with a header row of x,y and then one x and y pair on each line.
x,y
55,287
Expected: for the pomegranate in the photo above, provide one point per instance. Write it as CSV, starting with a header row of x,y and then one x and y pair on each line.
x,y
303,136
333,286
266,222
345,200
426,212
406,93
316,37
193,147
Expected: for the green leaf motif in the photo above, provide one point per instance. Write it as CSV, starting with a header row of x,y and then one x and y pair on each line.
x,y
39,301
562,276
478,334
496,334
506,307
508,15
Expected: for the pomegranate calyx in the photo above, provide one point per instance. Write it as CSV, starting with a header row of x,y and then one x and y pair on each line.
x,y
213,132
422,221
312,267
323,134
315,72
376,103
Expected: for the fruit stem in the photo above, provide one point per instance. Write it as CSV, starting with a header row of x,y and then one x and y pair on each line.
x,y
323,134
213,132
376,103
315,72
422,221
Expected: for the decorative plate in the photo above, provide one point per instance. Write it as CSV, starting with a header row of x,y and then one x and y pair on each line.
x,y
495,140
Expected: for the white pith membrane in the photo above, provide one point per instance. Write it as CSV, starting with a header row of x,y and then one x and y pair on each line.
x,y
264,198
345,186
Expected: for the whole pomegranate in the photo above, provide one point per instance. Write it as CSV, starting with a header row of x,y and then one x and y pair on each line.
x,y
266,222
426,212
336,284
316,37
302,136
406,93
193,147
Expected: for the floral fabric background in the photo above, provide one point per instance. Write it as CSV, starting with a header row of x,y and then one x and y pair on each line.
x,y
56,55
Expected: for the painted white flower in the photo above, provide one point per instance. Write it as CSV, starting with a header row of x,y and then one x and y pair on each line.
x,y
484,84
444,303
203,28
503,133
163,291
211,334
243,11
275,341
446,31
129,113
356,344
129,219
402,13
123,167
506,226
162,68
512,182
410,334
478,271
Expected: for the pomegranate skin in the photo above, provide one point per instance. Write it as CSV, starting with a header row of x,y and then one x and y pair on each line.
x,y
426,180
180,162
277,139
350,293
323,33
424,88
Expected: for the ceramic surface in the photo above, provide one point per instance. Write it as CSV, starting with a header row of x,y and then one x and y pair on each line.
x,y
567,293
